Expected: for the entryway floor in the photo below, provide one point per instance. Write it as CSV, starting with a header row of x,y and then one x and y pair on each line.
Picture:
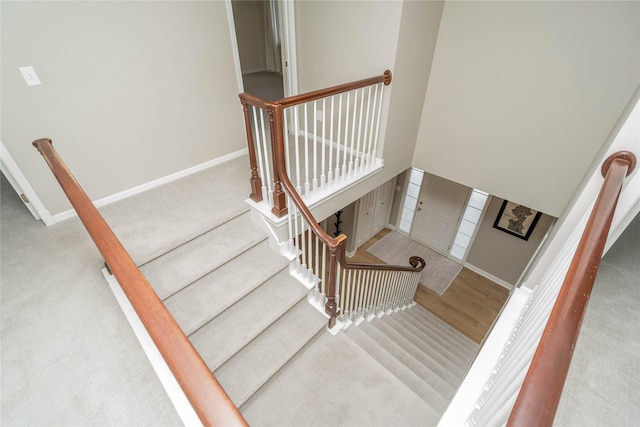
x,y
470,304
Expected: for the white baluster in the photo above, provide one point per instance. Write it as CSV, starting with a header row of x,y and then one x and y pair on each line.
x,y
358,161
291,214
330,173
323,176
267,163
309,253
317,256
315,147
353,132
287,144
307,185
346,138
378,289
366,149
296,120
323,272
338,133
375,140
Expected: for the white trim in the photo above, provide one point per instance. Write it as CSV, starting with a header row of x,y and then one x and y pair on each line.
x,y
489,276
234,45
155,183
19,182
289,49
167,379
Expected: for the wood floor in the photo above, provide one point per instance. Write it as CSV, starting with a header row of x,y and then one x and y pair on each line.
x,y
470,304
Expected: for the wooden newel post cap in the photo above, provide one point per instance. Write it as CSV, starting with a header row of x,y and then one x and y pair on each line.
x,y
624,156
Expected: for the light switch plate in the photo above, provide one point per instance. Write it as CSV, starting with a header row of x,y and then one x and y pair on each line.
x,y
30,76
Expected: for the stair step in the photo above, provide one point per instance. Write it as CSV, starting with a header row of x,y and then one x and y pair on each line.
x,y
445,369
423,338
204,299
334,382
223,336
197,257
190,206
245,372
374,345
447,335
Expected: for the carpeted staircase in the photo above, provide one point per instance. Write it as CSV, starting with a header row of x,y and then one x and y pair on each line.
x,y
249,319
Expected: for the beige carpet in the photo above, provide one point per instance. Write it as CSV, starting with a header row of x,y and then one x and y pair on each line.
x,y
439,272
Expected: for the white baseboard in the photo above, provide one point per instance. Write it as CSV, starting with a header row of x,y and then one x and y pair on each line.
x,y
153,184
167,379
489,276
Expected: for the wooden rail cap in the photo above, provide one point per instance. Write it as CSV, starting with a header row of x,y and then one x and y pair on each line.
x,y
206,395
541,390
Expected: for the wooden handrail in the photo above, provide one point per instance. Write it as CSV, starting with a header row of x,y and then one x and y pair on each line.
x,y
279,206
206,395
336,245
335,90
539,396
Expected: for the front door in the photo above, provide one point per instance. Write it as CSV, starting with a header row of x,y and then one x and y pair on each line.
x,y
440,206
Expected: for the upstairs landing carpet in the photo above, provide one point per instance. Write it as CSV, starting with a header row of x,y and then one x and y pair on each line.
x,y
439,272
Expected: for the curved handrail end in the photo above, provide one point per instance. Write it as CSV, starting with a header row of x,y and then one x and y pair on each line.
x,y
40,141
417,263
387,77
624,156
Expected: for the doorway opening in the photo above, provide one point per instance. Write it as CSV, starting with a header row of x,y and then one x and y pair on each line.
x,y
264,35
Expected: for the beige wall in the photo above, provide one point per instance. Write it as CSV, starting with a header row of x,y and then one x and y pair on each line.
x,y
249,21
522,95
338,42
501,254
131,91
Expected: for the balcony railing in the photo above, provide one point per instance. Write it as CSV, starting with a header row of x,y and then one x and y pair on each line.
x,y
322,141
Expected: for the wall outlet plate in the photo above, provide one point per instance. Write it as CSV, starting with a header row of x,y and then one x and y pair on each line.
x,y
30,76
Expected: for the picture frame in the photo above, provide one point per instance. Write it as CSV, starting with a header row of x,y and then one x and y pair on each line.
x,y
516,219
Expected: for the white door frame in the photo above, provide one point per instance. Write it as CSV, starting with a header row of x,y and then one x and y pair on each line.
x,y
288,51
20,184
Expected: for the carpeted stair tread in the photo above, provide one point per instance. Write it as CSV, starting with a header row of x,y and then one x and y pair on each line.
x,y
463,341
223,336
334,382
444,368
440,330
246,371
399,353
190,206
209,296
408,377
194,259
455,359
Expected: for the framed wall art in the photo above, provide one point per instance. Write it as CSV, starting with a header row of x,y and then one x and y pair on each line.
x,y
516,220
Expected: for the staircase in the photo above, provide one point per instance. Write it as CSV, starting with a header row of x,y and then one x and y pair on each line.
x,y
268,347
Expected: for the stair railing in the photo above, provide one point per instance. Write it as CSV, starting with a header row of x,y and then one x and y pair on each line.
x,y
330,138
209,400
350,290
539,396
